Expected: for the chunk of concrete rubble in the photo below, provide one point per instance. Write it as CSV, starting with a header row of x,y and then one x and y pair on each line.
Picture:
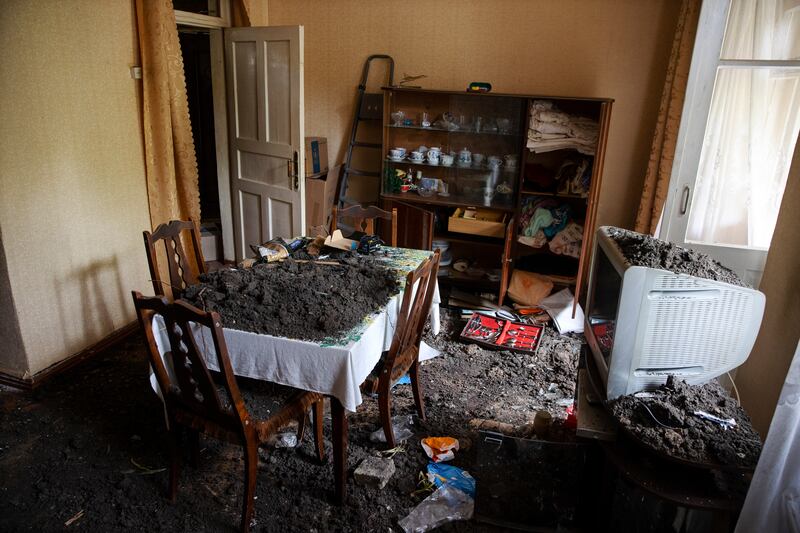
x,y
374,471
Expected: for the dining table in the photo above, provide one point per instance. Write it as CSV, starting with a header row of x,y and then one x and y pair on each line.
x,y
335,367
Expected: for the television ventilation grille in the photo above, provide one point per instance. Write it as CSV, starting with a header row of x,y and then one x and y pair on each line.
x,y
687,332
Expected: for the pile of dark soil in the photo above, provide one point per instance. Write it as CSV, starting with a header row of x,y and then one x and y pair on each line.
x,y
92,443
300,300
688,436
646,251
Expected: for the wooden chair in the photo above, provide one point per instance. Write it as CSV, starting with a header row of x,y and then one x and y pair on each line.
x,y
364,219
403,354
181,274
192,399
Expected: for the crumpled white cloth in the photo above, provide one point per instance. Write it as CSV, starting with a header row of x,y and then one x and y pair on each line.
x,y
333,370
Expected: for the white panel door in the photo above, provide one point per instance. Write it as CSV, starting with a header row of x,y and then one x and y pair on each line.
x,y
264,71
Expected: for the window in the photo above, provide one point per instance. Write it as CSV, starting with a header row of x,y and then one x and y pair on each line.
x,y
739,126
752,127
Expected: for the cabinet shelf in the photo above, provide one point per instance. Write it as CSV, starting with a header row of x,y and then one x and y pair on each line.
x,y
455,132
451,201
530,192
472,168
466,238
420,217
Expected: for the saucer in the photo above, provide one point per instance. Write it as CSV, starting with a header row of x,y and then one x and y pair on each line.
x,y
417,161
396,159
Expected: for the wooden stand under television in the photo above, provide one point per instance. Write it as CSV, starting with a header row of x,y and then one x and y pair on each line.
x,y
422,219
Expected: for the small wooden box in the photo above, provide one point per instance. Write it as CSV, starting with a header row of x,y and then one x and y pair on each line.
x,y
475,226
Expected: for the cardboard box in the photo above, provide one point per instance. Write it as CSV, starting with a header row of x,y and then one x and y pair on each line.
x,y
320,196
211,242
316,155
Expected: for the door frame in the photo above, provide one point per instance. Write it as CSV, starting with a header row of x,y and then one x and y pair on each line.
x,y
218,90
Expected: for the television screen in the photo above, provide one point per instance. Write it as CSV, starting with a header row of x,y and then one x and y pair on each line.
x,y
605,303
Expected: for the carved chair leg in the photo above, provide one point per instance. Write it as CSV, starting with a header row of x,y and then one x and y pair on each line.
x,y
385,408
301,427
317,410
174,438
250,473
194,447
416,389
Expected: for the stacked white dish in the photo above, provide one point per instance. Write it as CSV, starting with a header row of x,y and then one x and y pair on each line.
x,y
443,245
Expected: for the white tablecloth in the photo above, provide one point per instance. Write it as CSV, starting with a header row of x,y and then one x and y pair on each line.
x,y
336,368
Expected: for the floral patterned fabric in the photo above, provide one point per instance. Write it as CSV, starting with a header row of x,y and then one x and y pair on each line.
x,y
662,151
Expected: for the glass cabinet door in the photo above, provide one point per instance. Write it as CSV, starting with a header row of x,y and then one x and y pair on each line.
x,y
453,149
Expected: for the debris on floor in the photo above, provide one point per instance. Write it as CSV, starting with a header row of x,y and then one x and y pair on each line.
x,y
374,471
109,398
445,505
440,449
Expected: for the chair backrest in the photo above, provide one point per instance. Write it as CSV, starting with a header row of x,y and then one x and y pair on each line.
x,y
188,385
364,219
411,320
181,274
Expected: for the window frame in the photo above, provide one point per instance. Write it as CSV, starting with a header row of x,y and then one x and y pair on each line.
x,y
187,18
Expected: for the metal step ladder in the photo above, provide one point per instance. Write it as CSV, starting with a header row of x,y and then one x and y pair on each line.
x,y
368,108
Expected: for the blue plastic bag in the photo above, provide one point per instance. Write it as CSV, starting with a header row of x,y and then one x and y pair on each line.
x,y
444,474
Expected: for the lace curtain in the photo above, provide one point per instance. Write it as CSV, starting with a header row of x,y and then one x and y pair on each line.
x,y
752,128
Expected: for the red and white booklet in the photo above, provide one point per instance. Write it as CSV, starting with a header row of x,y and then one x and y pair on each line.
x,y
502,334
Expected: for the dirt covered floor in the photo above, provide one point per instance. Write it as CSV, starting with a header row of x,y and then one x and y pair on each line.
x,y
646,251
278,299
88,447
664,420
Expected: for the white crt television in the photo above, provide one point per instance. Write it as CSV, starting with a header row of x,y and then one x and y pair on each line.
x,y
643,324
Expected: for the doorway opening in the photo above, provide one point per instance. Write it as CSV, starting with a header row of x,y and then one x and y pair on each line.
x,y
196,51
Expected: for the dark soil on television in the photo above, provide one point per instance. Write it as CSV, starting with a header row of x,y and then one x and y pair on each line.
x,y
664,420
90,445
646,251
301,300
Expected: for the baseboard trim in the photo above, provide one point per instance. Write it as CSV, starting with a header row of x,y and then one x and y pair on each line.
x,y
31,383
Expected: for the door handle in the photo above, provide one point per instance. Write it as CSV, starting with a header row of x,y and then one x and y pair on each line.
x,y
684,200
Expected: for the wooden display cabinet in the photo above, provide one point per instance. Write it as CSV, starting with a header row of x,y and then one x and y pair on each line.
x,y
486,125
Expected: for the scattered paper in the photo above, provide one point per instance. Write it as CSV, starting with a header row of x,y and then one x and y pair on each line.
x,y
559,307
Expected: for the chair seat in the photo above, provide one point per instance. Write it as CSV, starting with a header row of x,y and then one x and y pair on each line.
x,y
272,406
370,385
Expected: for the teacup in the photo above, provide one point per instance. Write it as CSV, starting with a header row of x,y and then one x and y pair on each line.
x,y
477,159
465,156
447,160
435,149
401,150
417,156
394,153
433,157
